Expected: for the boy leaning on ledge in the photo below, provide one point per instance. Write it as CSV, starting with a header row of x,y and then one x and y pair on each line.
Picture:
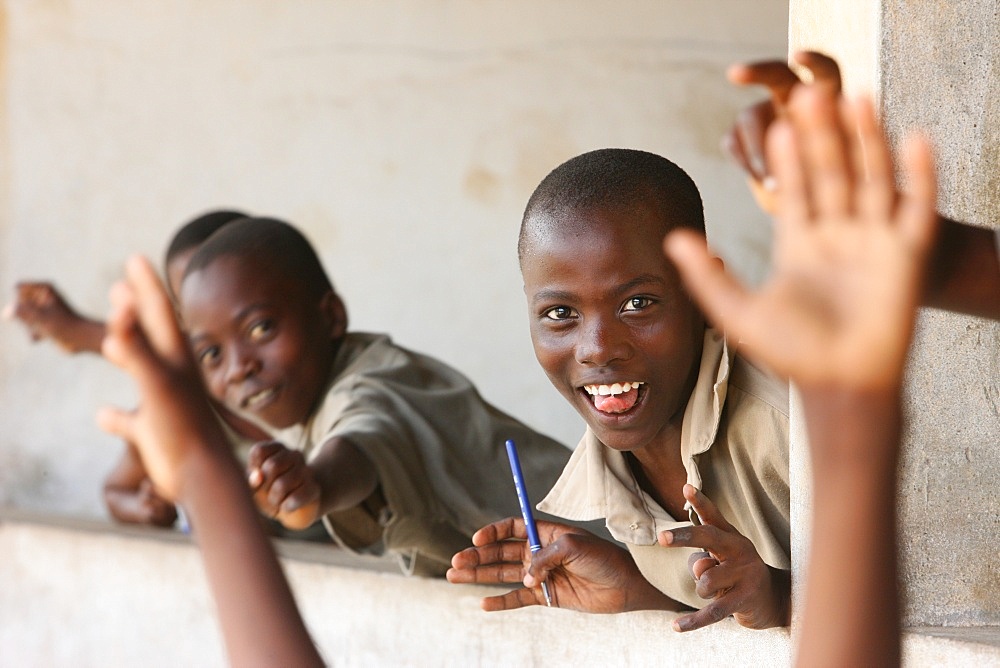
x,y
680,427
394,451
129,494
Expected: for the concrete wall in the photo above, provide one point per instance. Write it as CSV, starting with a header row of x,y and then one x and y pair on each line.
x,y
936,66
88,596
403,137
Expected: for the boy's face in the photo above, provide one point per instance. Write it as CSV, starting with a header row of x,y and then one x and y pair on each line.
x,y
610,323
262,346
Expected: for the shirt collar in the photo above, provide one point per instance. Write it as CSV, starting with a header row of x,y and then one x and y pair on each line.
x,y
598,482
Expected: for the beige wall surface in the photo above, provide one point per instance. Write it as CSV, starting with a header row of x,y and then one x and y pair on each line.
x,y
404,138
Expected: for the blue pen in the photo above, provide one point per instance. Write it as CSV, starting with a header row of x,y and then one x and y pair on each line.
x,y
529,518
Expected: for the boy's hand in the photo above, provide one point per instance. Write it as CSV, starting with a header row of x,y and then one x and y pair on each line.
x,y
284,486
46,315
849,254
744,142
174,423
732,574
153,508
583,572
141,506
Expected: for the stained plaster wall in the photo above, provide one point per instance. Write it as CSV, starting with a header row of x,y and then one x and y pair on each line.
x,y
404,138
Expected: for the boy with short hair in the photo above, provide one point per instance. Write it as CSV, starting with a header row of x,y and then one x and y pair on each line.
x,y
128,492
676,421
395,451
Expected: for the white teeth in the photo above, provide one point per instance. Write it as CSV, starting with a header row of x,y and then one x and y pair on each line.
x,y
258,397
617,388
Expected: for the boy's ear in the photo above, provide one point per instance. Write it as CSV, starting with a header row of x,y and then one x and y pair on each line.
x,y
333,309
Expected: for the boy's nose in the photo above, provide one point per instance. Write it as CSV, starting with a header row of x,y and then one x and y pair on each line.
x,y
241,365
602,343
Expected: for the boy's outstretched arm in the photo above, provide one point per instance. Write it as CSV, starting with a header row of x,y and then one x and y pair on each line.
x,y
964,271
583,572
48,316
187,456
836,316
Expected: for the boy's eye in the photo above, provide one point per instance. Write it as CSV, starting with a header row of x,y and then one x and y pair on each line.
x,y
636,303
260,329
209,357
560,313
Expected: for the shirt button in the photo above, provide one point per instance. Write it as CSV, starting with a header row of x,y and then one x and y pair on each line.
x,y
633,526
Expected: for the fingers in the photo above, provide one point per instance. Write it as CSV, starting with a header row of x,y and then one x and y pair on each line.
x,y
490,574
714,612
505,529
699,562
824,147
776,75
288,481
519,598
154,310
720,296
506,551
706,537
745,141
260,452
706,509
824,69
793,209
715,581
124,344
917,212
876,192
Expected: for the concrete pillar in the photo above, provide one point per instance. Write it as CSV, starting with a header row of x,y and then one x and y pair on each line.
x,y
935,66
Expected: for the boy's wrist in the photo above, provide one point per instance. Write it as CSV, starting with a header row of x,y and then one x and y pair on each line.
x,y
202,468
85,335
852,427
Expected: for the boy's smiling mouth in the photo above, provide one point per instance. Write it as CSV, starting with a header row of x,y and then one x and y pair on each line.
x,y
615,398
258,399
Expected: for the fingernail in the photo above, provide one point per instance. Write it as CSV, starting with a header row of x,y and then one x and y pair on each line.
x,y
667,537
769,184
255,478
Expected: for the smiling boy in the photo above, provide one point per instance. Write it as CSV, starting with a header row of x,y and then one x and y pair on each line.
x,y
670,410
395,451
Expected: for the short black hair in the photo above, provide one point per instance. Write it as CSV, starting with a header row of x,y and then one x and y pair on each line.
x,y
617,178
196,230
280,249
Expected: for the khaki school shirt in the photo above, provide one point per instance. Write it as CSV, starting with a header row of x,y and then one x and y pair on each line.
x,y
734,444
438,449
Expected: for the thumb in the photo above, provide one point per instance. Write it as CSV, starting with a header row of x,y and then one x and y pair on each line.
x,y
117,422
543,562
